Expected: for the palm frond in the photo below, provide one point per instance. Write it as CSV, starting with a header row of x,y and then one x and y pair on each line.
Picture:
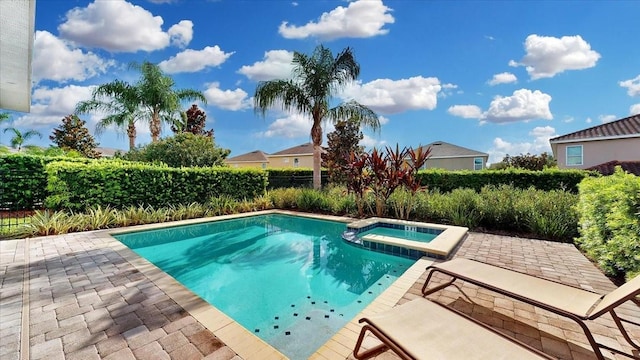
x,y
355,111
284,92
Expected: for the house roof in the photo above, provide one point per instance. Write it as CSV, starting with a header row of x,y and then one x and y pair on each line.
x,y
607,168
622,128
304,149
441,149
254,156
108,152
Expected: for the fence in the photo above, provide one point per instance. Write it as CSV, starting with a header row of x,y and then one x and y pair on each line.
x,y
17,200
296,181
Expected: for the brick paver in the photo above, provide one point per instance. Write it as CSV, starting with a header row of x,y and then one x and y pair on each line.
x,y
87,302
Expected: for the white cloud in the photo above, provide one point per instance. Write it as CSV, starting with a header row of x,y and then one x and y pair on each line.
x,y
547,56
361,19
50,105
588,120
180,34
393,96
634,109
383,120
447,90
194,60
55,59
118,26
523,105
466,111
290,126
503,78
632,85
538,144
369,142
276,65
227,99
607,118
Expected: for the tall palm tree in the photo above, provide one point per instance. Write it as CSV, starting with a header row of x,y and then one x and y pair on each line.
x,y
157,96
4,117
122,101
19,137
316,80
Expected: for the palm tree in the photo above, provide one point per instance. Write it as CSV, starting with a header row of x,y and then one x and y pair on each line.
x,y
4,117
316,80
19,138
159,98
122,101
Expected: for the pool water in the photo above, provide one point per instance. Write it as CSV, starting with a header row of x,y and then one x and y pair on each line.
x,y
398,233
290,280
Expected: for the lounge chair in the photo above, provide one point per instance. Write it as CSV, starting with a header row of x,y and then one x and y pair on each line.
x,y
573,303
422,329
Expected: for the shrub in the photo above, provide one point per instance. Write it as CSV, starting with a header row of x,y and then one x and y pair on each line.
x,y
313,201
182,150
284,198
609,223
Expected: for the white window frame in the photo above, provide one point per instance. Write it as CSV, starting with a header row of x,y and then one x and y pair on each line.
x,y
573,156
296,162
475,167
286,160
264,165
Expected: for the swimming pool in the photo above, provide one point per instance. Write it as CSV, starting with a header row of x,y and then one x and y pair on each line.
x,y
291,281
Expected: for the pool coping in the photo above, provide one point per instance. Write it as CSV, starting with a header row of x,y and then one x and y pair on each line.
x,y
246,344
441,246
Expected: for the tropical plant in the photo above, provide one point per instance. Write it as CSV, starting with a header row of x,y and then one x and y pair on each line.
x,y
4,117
121,101
19,138
343,140
316,80
358,178
157,96
73,135
527,162
192,121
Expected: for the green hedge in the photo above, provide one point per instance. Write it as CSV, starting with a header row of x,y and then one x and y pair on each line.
x,y
23,180
547,180
76,186
286,178
609,222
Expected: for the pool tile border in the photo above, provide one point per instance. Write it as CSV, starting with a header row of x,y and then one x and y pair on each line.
x,y
243,342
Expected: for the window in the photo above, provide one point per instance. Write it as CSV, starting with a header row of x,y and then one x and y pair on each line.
x,y
296,162
286,160
264,165
574,155
477,163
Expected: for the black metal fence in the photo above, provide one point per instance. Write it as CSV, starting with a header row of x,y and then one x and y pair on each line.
x,y
295,181
21,193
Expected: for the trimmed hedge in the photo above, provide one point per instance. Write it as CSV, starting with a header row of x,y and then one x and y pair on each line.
x,y
286,178
609,222
547,180
23,180
76,186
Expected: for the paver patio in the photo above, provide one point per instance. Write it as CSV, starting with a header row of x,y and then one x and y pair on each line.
x,y
86,300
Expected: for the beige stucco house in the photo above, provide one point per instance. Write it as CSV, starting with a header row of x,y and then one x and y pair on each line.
x,y
255,159
300,156
453,157
613,141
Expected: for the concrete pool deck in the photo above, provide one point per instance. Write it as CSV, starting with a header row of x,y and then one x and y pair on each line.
x,y
87,296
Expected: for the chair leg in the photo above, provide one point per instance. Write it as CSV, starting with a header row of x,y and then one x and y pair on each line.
x,y
624,332
426,291
370,352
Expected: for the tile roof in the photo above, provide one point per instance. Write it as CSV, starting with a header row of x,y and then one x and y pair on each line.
x,y
253,156
441,149
607,168
304,149
626,127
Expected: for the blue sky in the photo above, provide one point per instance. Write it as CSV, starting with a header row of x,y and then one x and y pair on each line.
x,y
497,77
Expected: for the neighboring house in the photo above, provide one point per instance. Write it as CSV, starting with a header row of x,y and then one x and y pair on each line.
x,y
453,157
608,168
109,152
613,141
253,159
300,156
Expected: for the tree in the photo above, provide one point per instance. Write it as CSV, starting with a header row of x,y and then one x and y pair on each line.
x,y
73,135
19,138
192,121
341,142
121,101
529,161
157,96
316,80
182,150
4,117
